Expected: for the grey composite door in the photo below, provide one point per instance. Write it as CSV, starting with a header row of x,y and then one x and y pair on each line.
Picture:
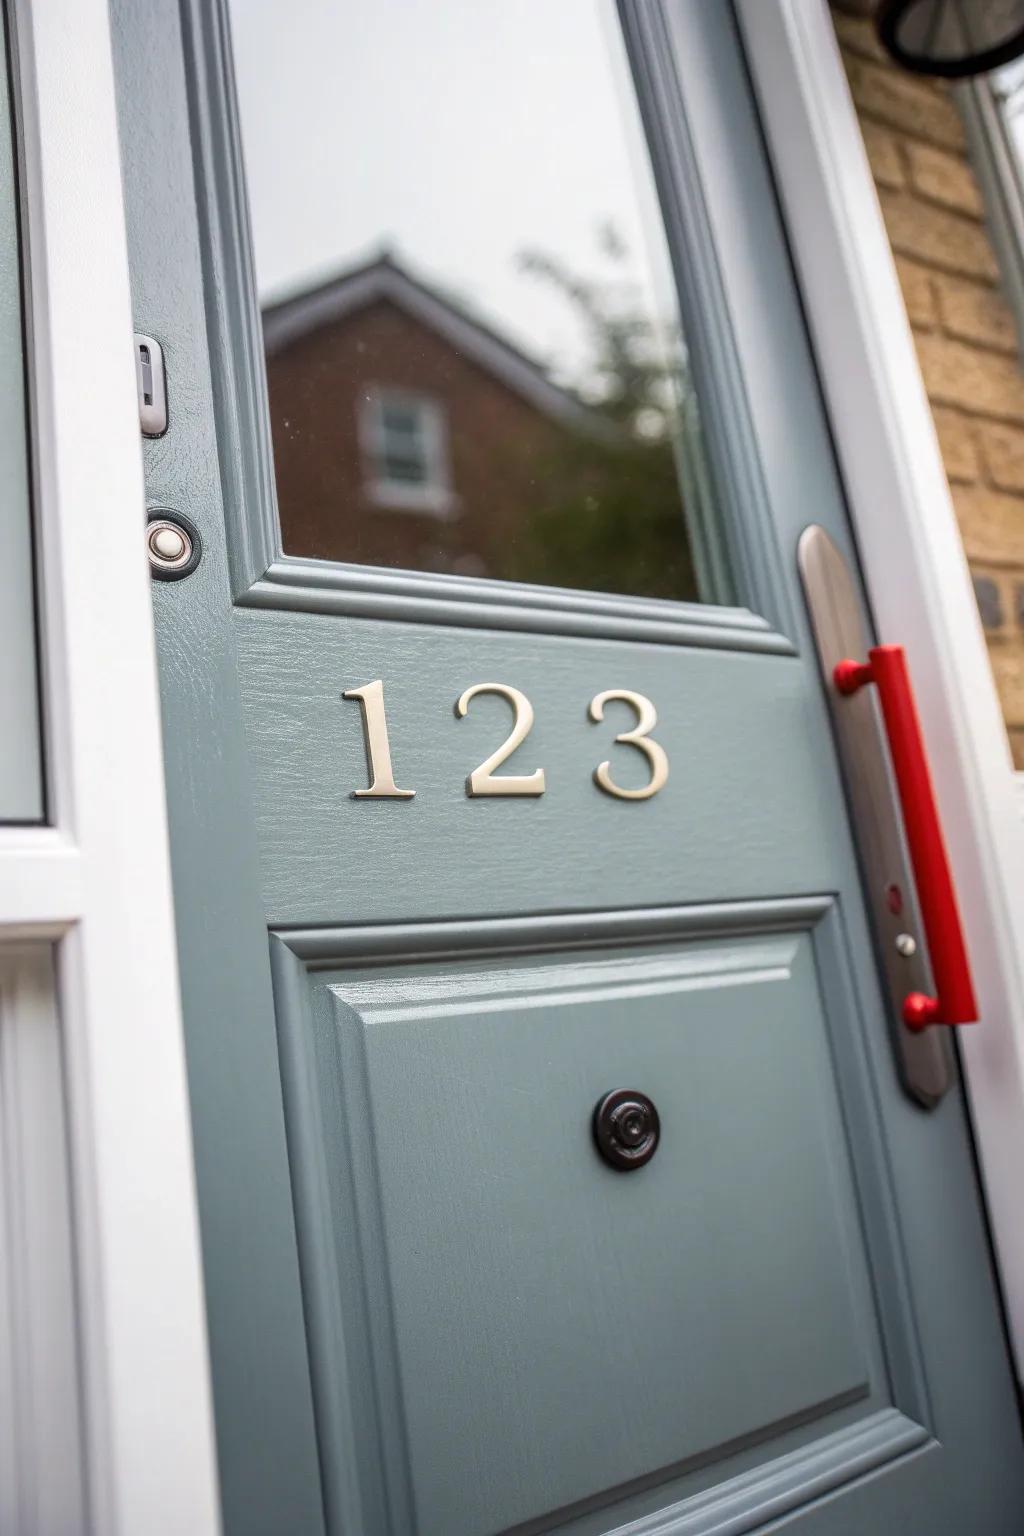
x,y
413,966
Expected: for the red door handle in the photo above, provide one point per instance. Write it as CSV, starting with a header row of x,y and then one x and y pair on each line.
x,y
886,667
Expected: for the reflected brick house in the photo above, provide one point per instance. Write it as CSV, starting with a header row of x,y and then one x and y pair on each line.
x,y
408,433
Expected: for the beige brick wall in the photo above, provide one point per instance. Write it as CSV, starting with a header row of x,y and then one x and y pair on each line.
x,y
965,335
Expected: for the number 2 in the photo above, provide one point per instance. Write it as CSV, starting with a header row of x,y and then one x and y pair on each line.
x,y
484,780
647,719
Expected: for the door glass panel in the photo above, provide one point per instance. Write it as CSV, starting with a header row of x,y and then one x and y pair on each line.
x,y
474,353
22,797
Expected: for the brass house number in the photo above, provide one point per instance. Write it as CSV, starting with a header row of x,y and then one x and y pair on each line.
x,y
485,779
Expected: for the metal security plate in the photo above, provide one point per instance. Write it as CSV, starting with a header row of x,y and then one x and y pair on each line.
x,y
924,1056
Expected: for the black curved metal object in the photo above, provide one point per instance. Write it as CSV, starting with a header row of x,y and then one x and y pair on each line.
x,y
951,38
626,1129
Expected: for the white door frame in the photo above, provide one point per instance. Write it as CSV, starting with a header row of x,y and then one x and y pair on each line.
x,y
912,557
94,886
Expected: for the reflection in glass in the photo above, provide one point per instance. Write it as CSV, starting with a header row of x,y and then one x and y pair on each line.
x,y
474,356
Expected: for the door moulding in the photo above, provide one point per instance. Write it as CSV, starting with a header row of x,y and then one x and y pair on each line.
x,y
373,976
264,576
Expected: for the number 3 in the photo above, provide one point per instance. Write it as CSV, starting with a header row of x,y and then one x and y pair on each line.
x,y
647,719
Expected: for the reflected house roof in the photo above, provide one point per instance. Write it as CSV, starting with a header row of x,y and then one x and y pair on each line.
x,y
516,477
384,280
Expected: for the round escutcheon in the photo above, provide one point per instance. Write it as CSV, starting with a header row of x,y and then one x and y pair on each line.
x,y
626,1129
173,545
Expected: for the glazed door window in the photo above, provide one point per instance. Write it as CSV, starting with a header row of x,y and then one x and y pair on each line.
x,y
496,247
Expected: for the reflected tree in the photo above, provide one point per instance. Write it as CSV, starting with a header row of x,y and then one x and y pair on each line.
x,y
607,513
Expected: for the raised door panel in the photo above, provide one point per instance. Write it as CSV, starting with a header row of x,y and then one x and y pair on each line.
x,y
507,1332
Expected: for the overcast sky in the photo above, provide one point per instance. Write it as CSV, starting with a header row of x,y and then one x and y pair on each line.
x,y
457,133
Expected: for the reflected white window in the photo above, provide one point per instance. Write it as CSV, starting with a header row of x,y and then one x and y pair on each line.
x,y
405,448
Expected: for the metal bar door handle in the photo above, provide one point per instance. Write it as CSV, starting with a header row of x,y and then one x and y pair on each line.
x,y
878,824
954,1002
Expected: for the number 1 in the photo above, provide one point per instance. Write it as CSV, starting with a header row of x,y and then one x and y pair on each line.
x,y
378,749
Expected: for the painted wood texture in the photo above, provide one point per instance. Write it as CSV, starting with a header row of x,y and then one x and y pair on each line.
x,y
555,1332
324,1407
266,1434
737,729
357,1264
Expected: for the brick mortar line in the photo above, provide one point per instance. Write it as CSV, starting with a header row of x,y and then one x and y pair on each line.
x,y
976,416
929,270
982,564
870,115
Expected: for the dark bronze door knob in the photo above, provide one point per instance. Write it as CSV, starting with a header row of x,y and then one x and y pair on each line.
x,y
626,1129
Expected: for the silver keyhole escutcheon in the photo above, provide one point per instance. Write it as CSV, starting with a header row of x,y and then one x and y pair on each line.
x,y
173,545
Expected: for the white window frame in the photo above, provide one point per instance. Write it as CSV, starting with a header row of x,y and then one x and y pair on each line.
x,y
434,497
912,557
992,106
94,887
42,1463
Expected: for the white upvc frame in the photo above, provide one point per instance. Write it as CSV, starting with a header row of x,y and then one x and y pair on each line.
x,y
42,1488
912,557
95,886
